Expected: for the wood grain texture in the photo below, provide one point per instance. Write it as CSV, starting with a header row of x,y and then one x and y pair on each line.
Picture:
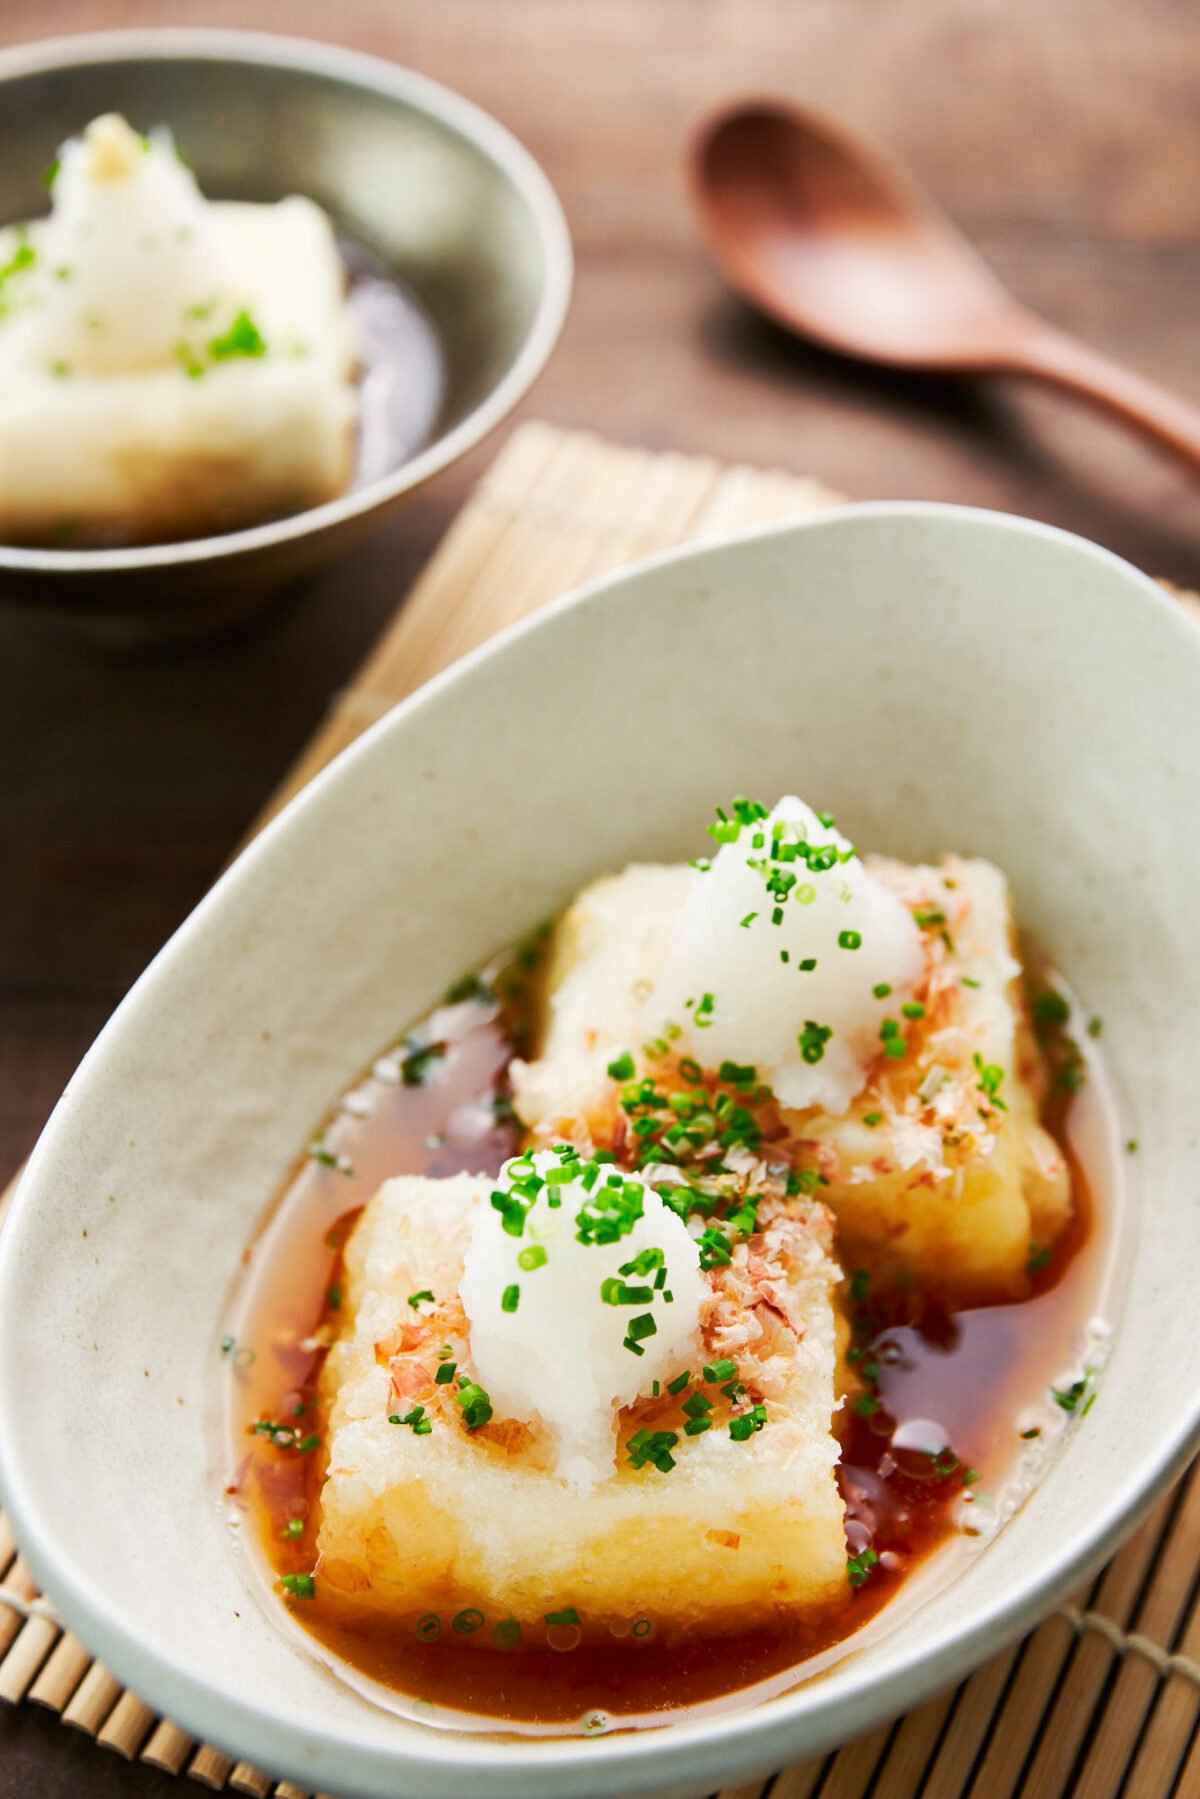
x,y
1064,138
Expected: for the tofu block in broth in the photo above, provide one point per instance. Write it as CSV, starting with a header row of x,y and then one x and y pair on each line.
x,y
439,1503
171,366
938,1169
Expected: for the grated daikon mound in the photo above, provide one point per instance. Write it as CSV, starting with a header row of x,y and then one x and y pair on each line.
x,y
519,1315
786,930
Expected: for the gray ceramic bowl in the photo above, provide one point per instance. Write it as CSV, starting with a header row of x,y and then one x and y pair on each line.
x,y
432,186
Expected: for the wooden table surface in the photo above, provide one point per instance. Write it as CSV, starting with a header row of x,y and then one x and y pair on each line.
x,y
1064,137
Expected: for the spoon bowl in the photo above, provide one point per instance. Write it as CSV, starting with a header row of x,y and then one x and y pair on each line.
x,y
831,237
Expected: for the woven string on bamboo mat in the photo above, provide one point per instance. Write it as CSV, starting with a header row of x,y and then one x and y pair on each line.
x,y
1104,1699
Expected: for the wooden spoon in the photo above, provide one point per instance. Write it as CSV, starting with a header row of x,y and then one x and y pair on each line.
x,y
833,239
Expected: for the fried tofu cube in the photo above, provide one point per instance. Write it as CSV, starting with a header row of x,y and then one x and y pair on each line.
x,y
940,1170
954,1180
170,366
471,1524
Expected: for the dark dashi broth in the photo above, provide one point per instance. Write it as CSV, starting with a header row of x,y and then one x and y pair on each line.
x,y
926,1448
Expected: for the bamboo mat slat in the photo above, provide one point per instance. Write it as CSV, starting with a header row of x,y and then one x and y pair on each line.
x,y
62,1673
168,1747
1103,1700
246,1779
93,1700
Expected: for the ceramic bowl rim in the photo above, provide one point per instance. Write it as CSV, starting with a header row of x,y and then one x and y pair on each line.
x,y
391,80
712,1749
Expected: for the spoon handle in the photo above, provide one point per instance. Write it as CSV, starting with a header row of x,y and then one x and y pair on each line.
x,y
1157,411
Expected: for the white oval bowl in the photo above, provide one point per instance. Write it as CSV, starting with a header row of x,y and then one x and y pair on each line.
x,y
941,679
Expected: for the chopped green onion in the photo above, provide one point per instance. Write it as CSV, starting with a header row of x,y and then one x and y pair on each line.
x,y
990,1077
1068,1398
645,1262
418,1423
748,1424
614,1292
416,1065
641,1327
719,1371
812,1040
654,1447
469,986
243,338
714,1249
858,1567
475,1404
325,1158
1050,1008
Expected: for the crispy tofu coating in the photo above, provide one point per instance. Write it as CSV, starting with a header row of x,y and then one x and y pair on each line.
x,y
720,1511
940,1170
170,366
435,1507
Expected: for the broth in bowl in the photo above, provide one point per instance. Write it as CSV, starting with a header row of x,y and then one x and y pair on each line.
x,y
899,1266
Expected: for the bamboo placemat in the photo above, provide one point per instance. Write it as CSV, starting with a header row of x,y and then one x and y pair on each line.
x,y
1103,1700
